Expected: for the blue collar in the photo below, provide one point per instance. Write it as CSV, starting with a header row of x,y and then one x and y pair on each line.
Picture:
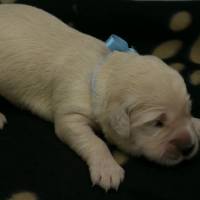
x,y
113,43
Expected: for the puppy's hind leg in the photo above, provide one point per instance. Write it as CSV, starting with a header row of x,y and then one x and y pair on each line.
x,y
3,121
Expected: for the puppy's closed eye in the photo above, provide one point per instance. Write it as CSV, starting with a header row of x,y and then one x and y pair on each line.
x,y
158,124
154,124
150,118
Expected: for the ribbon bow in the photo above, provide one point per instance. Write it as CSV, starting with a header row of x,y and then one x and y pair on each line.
x,y
115,43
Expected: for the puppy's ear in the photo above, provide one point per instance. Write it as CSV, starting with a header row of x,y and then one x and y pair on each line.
x,y
120,122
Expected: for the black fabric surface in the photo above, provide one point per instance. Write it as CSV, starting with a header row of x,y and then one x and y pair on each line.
x,y
33,158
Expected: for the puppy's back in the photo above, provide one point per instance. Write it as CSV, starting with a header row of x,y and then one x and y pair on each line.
x,y
27,53
31,46
35,49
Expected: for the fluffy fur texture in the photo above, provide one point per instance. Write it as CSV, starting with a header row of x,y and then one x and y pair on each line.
x,y
141,104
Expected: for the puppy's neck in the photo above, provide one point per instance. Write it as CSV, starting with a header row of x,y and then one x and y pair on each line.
x,y
99,77
103,89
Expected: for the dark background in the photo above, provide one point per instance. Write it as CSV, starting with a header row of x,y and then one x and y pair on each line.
x,y
33,159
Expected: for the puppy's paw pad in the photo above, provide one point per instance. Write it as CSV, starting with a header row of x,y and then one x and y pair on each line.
x,y
3,121
107,174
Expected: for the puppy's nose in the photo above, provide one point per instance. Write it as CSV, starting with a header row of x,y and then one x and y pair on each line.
x,y
184,143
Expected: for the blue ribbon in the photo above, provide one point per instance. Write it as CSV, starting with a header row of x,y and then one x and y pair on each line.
x,y
115,43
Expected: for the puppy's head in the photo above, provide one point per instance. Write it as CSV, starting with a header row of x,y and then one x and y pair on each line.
x,y
149,111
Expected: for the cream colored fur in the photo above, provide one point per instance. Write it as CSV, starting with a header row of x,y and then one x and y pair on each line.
x,y
47,67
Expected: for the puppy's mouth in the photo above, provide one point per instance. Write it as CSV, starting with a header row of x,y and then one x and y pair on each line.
x,y
173,156
171,159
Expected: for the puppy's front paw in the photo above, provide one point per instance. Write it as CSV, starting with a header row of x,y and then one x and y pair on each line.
x,y
107,174
3,121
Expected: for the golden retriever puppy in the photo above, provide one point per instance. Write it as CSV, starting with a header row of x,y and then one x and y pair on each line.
x,y
73,80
